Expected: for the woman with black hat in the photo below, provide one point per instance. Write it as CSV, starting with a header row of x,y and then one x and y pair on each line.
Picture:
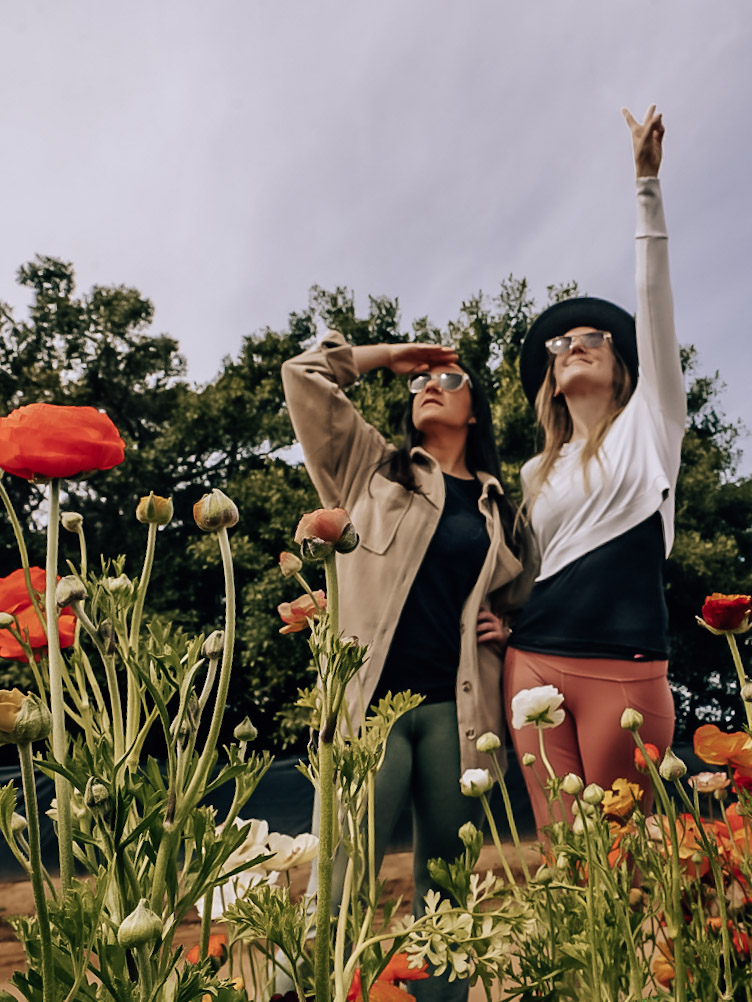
x,y
609,395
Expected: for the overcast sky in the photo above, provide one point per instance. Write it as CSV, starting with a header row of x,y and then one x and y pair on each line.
x,y
222,156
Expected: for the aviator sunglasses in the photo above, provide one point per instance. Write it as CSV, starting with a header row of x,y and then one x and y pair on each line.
x,y
450,381
565,342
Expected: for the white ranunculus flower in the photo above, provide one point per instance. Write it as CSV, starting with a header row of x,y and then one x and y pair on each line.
x,y
538,706
255,845
474,782
289,852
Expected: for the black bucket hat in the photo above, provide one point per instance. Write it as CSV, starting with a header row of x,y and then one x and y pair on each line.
x,y
562,317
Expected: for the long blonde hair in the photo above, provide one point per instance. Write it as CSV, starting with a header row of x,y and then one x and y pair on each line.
x,y
556,422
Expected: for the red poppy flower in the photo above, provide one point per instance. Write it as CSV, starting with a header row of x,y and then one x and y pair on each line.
x,y
42,441
639,759
726,612
14,598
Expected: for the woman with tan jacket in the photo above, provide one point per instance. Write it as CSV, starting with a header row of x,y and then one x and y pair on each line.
x,y
438,567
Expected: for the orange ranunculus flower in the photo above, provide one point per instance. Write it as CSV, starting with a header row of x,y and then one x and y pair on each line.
x,y
216,951
296,614
717,748
688,837
43,441
739,938
639,759
324,530
622,798
14,599
385,989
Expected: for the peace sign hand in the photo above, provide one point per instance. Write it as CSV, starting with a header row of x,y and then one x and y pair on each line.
x,y
647,141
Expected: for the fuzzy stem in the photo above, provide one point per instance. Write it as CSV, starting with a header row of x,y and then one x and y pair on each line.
x,y
740,674
206,921
35,870
544,757
133,705
57,706
510,816
496,840
195,789
324,898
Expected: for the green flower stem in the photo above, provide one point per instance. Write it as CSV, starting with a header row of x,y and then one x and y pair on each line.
x,y
143,965
35,870
332,594
84,570
206,921
24,554
371,808
307,589
340,986
544,757
590,910
326,848
133,703
510,816
57,707
711,849
740,673
497,841
677,924
113,689
197,785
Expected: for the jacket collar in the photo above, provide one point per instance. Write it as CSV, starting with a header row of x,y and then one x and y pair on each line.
x,y
429,479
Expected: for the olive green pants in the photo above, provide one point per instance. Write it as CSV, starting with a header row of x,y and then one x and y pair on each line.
x,y
422,768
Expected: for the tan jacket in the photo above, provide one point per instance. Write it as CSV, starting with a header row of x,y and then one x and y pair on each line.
x,y
344,457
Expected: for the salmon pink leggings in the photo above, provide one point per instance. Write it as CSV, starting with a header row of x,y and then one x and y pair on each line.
x,y
590,741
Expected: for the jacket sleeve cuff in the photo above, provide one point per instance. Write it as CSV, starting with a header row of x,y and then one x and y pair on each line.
x,y
339,357
651,221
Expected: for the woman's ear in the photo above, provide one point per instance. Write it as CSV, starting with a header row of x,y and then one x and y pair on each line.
x,y
557,390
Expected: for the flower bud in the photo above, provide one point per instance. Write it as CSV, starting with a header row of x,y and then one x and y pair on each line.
x,y
140,927
578,825
746,692
528,759
245,731
631,720
545,875
71,521
189,723
154,510
6,620
69,589
561,861
584,808
488,743
17,823
23,718
636,899
593,794
97,797
213,645
107,636
468,834
121,586
475,782
321,532
572,784
215,511
671,768
289,564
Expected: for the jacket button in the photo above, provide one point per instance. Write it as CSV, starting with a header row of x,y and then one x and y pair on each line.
x,y
470,733
467,686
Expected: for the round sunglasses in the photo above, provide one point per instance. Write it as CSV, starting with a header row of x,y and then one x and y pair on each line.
x,y
565,342
450,381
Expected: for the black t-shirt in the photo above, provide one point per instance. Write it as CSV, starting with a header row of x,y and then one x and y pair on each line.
x,y
608,603
425,650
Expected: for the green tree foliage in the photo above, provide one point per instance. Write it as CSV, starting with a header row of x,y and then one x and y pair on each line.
x,y
234,433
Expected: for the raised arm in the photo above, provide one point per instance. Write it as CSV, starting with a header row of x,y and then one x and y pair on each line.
x,y
660,365
341,449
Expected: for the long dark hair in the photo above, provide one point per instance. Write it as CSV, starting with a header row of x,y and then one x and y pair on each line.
x,y
481,454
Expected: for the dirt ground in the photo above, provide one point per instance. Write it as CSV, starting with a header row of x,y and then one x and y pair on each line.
x,y
16,899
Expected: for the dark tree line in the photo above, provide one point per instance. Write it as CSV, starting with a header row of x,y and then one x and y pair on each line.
x,y
183,439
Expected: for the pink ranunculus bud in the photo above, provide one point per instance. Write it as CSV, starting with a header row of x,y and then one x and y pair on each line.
x,y
324,530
